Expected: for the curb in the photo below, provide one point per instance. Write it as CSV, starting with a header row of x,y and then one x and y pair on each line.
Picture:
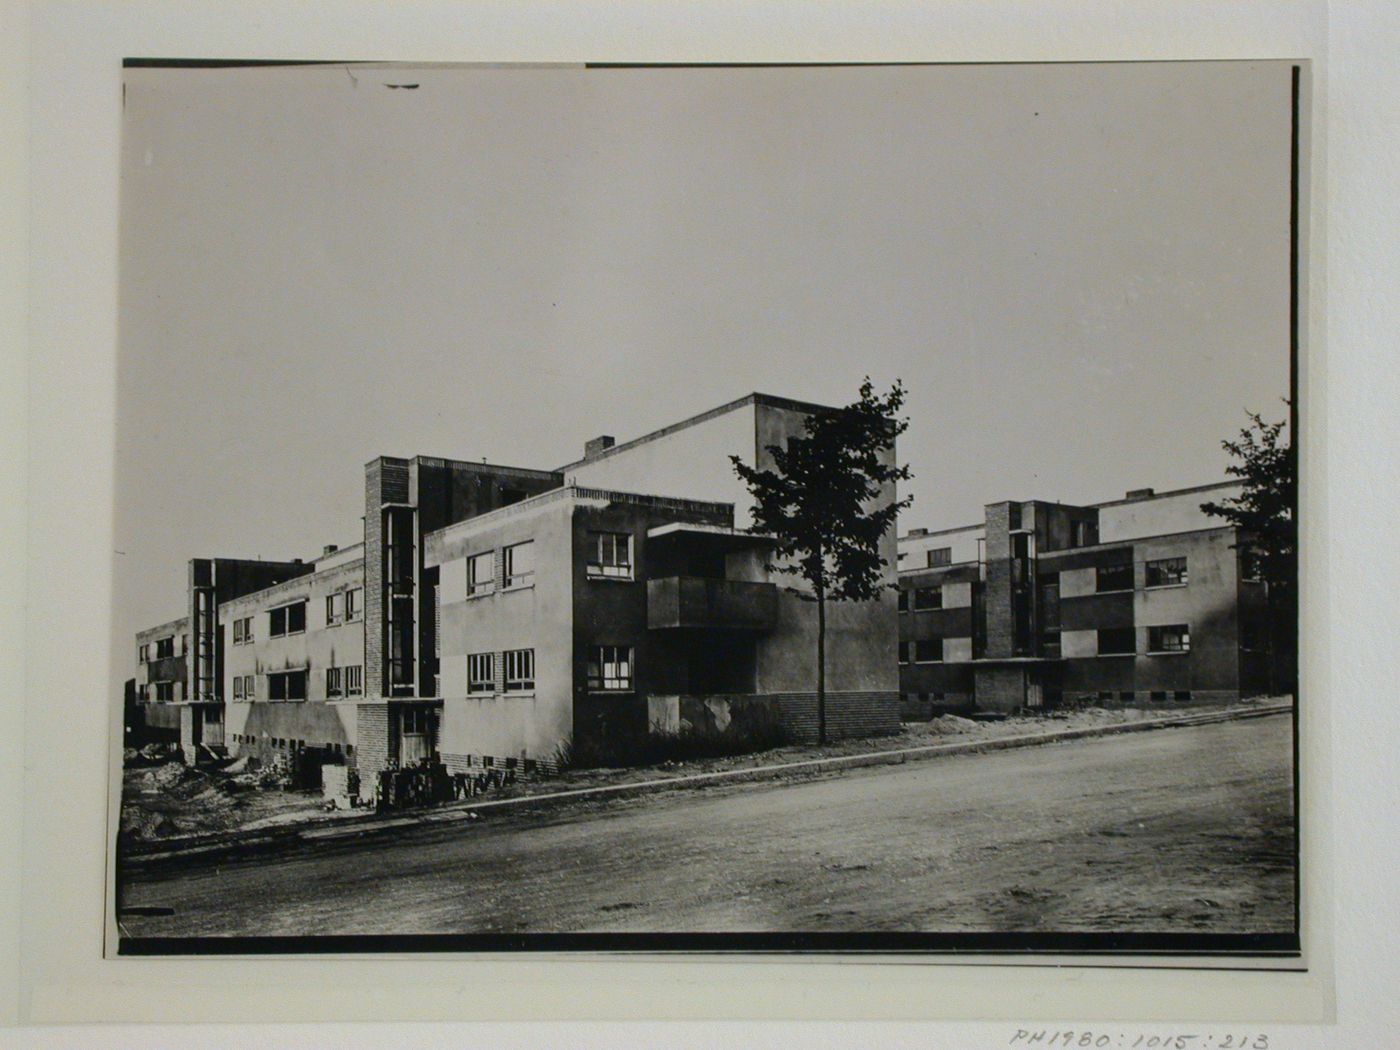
x,y
461,811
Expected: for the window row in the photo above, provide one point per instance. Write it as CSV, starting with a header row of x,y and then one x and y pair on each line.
x,y
608,556
923,651
517,665
1122,641
1161,572
517,569
291,685
342,607
921,598
162,648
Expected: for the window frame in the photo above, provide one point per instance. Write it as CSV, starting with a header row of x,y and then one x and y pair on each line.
x,y
596,669
523,678
938,557
514,581
1181,580
335,678
906,651
478,685
354,604
355,680
1099,570
480,589
286,677
1132,645
165,648
902,604
285,610
1157,636
333,602
597,568
927,660
937,600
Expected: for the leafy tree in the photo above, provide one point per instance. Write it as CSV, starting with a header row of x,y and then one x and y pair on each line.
x,y
817,501
1267,465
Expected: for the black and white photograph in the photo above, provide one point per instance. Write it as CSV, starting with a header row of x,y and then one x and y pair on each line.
x,y
714,508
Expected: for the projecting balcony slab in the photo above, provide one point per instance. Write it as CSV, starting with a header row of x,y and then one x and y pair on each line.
x,y
677,602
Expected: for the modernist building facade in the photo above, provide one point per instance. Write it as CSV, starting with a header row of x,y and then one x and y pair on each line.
x,y
1143,599
504,616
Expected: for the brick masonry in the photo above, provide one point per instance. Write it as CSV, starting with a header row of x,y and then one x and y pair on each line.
x,y
848,715
374,730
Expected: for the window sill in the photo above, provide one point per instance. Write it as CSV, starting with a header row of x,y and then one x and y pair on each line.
x,y
1111,655
1168,652
601,578
473,596
525,586
1115,590
612,692
926,663
1166,586
509,693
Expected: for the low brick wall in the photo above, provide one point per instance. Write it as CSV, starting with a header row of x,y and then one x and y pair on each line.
x,y
848,715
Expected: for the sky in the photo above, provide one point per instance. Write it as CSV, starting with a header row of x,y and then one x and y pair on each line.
x,y
1078,272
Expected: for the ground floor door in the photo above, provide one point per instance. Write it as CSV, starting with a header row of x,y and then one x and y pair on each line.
x,y
417,736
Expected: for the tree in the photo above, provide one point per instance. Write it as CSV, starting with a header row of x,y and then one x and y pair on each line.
x,y
818,501
1267,464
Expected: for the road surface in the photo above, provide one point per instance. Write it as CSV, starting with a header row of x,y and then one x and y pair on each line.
x,y
1176,830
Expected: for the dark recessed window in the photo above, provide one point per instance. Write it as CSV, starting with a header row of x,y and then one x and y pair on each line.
x,y
928,598
1117,641
940,556
928,651
1114,578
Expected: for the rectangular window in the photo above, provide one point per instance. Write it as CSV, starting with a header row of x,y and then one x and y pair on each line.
x,y
610,555
355,680
1113,578
1117,641
481,573
904,648
335,608
1251,569
940,556
165,691
354,604
288,685
289,619
333,682
1166,572
165,648
520,670
928,598
140,654
1083,533
928,651
249,691
243,630
481,673
238,693
903,601
520,564
610,668
1171,638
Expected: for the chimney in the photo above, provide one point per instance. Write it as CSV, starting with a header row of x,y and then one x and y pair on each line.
x,y
329,549
597,446
1141,494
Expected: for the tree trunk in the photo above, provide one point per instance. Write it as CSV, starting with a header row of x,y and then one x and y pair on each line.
x,y
821,662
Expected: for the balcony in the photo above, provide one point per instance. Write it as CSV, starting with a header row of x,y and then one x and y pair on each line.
x,y
700,602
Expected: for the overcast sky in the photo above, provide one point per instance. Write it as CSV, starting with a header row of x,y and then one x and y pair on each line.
x,y
1079,272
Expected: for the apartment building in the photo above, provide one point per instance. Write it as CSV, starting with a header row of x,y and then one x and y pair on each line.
x,y
498,615
1143,599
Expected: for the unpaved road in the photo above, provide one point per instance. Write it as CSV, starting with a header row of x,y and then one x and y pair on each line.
x,y
1176,830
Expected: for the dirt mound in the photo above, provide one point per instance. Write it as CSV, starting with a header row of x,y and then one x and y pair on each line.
x,y
948,725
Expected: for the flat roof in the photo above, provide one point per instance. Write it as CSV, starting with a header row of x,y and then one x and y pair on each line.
x,y
1213,486
754,398
577,492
